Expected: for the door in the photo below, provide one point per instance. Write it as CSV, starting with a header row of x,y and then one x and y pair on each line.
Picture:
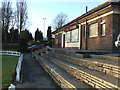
x,y
64,41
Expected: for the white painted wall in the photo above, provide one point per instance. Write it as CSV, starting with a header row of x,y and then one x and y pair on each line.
x,y
76,44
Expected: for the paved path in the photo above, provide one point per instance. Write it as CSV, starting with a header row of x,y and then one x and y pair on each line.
x,y
34,76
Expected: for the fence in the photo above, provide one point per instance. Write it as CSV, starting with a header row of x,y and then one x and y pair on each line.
x,y
18,68
14,53
18,73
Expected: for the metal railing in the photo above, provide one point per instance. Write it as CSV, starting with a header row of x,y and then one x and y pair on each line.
x,y
14,53
18,68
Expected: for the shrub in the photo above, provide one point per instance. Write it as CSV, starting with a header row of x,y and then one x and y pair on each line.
x,y
23,45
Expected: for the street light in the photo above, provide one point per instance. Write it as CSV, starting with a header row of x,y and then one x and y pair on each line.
x,y
44,26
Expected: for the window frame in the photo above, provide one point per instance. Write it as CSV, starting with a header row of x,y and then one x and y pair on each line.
x,y
101,24
96,28
76,39
68,38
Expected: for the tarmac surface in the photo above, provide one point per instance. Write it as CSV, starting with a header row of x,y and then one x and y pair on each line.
x,y
34,76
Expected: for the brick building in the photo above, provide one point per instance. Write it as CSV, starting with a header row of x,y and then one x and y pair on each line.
x,y
95,30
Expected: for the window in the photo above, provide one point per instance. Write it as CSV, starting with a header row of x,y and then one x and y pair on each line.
x,y
93,30
68,36
74,35
103,28
84,28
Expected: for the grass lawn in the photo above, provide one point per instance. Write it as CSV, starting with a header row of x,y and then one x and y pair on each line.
x,y
8,69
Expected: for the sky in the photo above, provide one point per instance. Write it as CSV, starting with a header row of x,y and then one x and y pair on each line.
x,y
49,9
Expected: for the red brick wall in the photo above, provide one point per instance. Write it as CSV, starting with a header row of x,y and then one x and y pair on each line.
x,y
58,40
83,38
100,42
116,29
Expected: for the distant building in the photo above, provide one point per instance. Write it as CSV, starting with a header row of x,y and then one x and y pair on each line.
x,y
95,30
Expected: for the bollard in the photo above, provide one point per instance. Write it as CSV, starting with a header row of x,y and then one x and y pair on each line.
x,y
11,87
117,44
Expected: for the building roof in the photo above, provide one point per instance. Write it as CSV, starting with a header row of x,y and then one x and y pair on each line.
x,y
88,13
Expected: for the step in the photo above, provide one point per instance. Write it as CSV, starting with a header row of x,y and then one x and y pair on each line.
x,y
68,52
116,63
108,67
98,52
62,78
93,78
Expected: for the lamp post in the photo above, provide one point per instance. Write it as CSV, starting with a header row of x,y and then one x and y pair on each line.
x,y
44,26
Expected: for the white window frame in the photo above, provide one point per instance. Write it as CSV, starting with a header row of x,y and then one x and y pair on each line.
x,y
74,35
93,27
103,27
68,36
84,31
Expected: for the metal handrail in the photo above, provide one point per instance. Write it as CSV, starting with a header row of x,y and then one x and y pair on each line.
x,y
19,65
14,53
18,68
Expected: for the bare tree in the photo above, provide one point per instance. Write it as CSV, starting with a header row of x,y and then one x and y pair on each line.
x,y
0,15
0,28
6,16
13,20
22,14
60,20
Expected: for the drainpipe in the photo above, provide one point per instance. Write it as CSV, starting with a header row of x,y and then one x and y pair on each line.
x,y
86,36
80,37
86,31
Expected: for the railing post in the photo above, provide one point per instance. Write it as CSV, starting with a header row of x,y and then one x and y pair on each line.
x,y
18,68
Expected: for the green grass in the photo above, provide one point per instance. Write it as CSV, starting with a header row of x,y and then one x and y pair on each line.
x,y
8,69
